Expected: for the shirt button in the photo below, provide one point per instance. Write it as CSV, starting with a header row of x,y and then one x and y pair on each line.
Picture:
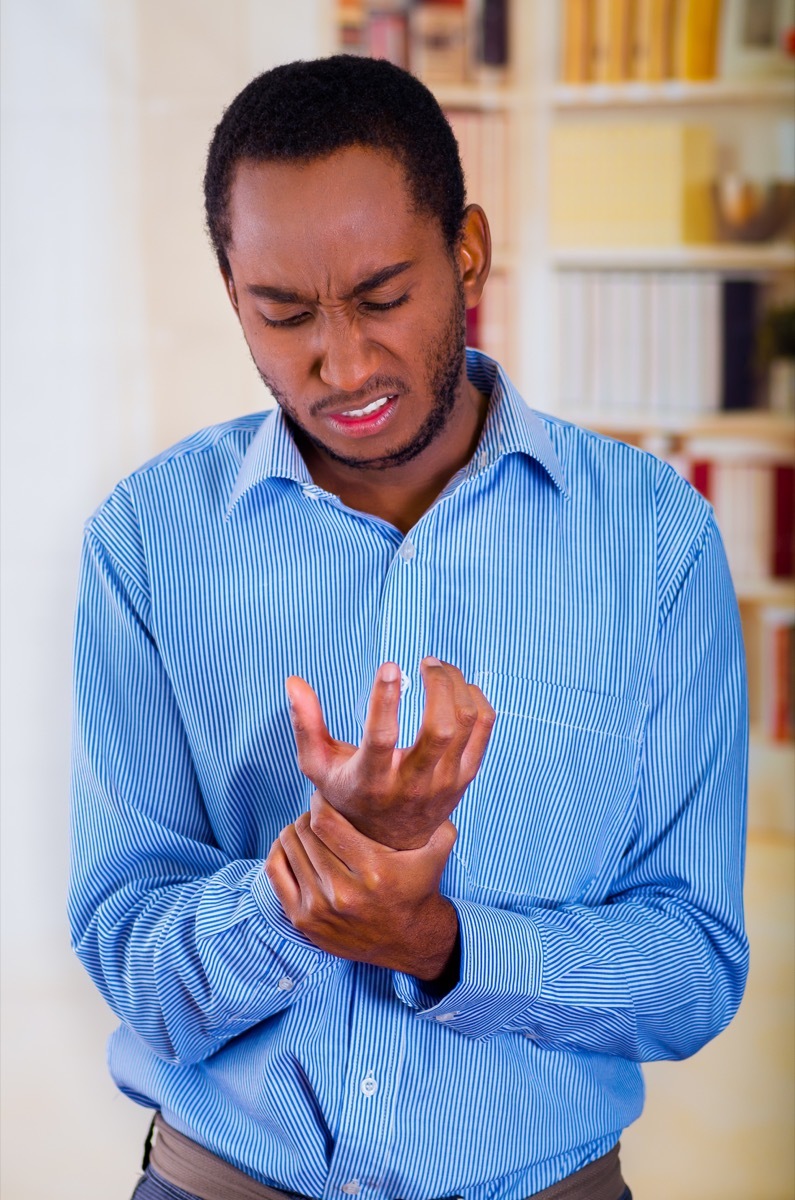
x,y
407,551
285,984
369,1084
446,1016
351,1188
483,458
405,682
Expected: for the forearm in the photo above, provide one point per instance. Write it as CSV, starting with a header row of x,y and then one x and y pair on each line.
x,y
190,965
643,979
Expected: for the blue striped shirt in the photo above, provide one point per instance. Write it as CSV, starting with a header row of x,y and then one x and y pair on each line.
x,y
597,875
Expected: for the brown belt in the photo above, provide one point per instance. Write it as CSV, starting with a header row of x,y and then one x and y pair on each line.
x,y
196,1170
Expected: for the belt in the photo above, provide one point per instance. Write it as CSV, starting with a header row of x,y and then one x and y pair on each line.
x,y
187,1165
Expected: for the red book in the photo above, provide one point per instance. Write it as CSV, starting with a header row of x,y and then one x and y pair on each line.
x,y
701,479
473,328
783,521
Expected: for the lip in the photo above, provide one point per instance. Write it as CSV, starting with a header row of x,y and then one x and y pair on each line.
x,y
364,426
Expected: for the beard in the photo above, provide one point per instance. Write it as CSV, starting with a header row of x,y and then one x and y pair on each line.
x,y
444,361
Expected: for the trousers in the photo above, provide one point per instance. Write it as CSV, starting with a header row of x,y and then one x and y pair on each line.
x,y
151,1187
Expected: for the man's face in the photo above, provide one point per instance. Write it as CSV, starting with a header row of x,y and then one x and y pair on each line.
x,y
351,304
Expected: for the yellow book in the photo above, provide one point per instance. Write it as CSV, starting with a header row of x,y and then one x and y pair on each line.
x,y
631,184
576,46
696,39
612,40
652,48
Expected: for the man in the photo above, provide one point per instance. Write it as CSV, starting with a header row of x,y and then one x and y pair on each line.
x,y
410,935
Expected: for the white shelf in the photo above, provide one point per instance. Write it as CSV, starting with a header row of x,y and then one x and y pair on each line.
x,y
724,257
482,97
777,592
778,428
675,93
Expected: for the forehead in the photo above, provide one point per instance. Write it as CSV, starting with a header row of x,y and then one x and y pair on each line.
x,y
350,209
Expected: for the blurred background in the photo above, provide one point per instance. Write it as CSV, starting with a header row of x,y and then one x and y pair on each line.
x,y
637,160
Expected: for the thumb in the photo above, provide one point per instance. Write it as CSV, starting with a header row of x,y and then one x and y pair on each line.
x,y
313,741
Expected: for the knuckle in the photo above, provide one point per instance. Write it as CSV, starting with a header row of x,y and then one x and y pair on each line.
x,y
466,715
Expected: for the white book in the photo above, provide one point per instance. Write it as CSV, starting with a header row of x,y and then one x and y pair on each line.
x,y
711,342
662,347
493,174
603,366
630,339
573,338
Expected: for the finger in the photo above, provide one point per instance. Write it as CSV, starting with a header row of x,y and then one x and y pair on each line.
x,y
313,741
475,748
282,879
381,724
300,863
447,722
350,847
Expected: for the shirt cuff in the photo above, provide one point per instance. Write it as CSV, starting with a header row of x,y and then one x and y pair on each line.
x,y
297,953
500,975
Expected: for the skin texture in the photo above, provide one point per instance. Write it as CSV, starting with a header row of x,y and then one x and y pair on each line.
x,y
346,294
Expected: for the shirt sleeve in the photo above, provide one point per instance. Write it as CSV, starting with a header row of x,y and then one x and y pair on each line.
x,y
189,948
660,968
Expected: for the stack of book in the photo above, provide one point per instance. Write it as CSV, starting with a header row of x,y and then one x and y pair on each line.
x,y
614,41
482,139
664,343
488,325
752,491
778,667
441,41
651,41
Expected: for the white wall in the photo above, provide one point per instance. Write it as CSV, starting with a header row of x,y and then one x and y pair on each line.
x,y
116,339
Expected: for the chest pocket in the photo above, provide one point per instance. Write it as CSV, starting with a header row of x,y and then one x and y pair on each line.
x,y
554,793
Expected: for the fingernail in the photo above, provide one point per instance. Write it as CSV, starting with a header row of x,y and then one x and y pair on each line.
x,y
430,661
390,673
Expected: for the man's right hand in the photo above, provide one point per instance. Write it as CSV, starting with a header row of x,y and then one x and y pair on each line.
x,y
397,797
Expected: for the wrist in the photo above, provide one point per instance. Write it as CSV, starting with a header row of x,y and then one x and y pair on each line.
x,y
438,967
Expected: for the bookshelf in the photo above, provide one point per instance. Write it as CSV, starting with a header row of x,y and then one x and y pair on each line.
x,y
521,106
758,94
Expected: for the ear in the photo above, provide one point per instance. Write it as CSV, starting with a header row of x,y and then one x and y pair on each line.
x,y
474,254
231,290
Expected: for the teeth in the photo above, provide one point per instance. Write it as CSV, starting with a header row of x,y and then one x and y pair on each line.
x,y
368,408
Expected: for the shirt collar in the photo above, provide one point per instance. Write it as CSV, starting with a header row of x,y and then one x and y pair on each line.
x,y
511,428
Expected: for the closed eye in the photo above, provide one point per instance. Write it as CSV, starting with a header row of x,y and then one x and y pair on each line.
x,y
286,323
374,306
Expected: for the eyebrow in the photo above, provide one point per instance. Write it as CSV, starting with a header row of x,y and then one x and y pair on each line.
x,y
283,296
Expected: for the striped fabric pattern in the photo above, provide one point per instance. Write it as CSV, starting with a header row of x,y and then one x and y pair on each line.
x,y
597,873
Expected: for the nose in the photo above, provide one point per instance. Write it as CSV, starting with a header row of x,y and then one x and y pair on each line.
x,y
347,357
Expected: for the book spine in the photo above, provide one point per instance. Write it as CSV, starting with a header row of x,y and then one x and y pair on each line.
x,y
576,42
494,38
783,565
739,305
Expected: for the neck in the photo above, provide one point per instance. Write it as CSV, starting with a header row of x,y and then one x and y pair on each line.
x,y
401,494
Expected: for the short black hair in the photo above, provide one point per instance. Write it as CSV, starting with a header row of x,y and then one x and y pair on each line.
x,y
301,111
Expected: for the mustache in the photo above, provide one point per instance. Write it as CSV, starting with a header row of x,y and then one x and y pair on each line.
x,y
379,385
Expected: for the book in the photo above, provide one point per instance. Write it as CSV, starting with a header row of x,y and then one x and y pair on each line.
x,y
438,42
627,183
389,36
778,659
784,521
611,41
652,41
740,309
576,41
696,39
493,39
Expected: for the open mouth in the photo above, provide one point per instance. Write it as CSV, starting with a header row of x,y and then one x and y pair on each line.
x,y
367,419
